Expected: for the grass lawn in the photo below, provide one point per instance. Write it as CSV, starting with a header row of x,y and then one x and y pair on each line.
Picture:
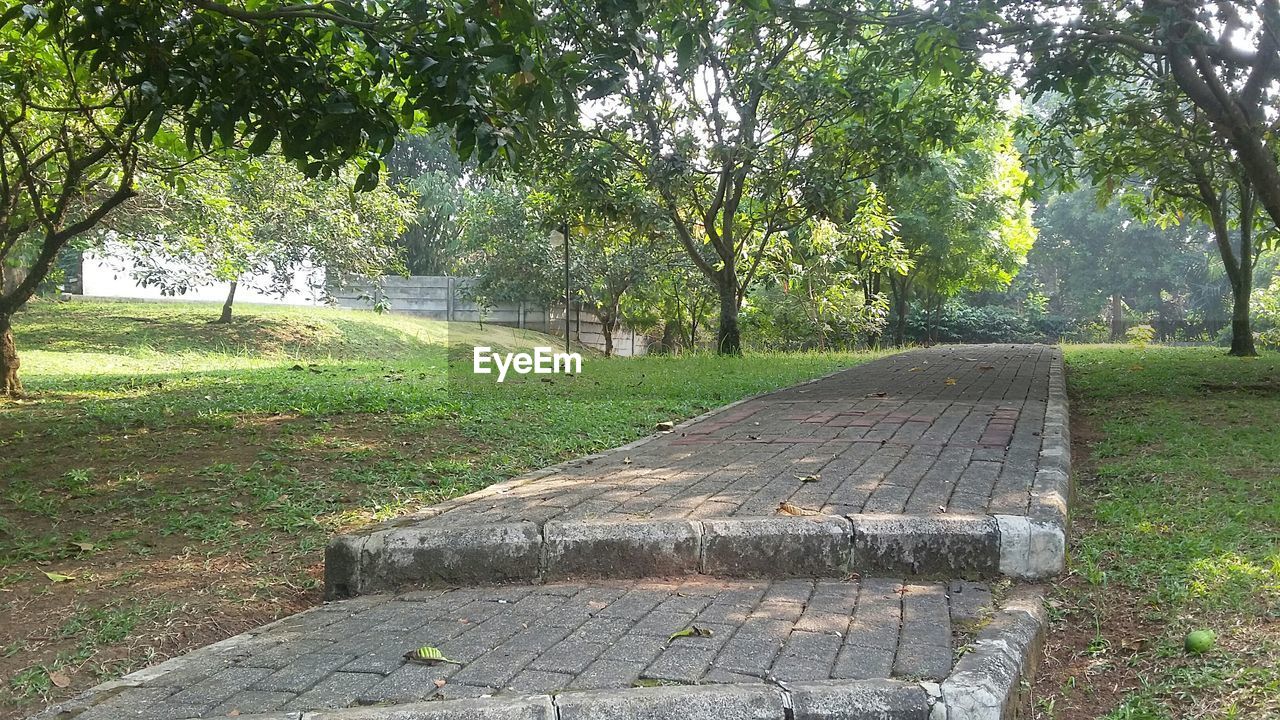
x,y
1177,528
172,482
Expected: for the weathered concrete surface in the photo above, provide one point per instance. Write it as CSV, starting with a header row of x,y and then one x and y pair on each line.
x,y
942,545
871,699
729,702
620,549
990,681
818,546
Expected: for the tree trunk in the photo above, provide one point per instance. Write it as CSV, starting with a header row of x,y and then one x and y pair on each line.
x,y
10,386
901,303
606,328
728,338
1242,283
1241,328
1239,267
670,337
1117,317
226,306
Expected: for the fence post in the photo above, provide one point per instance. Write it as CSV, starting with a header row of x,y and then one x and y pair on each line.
x,y
448,299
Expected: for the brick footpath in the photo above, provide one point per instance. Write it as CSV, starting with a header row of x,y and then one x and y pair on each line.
x,y
521,640
823,552
954,429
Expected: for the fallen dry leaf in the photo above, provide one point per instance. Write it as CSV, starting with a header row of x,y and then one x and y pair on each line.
x,y
950,381
787,508
59,679
691,631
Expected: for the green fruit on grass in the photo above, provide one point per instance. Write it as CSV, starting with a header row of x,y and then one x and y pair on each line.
x,y
1199,641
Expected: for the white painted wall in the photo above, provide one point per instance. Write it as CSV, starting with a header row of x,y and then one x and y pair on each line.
x,y
103,277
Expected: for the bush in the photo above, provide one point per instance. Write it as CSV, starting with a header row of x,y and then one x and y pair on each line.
x,y
961,323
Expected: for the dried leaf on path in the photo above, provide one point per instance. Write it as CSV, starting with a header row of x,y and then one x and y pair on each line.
x,y
691,631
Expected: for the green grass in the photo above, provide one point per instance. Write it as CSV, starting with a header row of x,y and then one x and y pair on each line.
x,y
1179,529
160,455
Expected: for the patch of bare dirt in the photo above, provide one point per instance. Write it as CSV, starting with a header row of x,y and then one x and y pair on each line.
x,y
1088,666
152,594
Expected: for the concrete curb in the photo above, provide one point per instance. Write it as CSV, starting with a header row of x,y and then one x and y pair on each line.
x,y
1051,489
989,682
974,546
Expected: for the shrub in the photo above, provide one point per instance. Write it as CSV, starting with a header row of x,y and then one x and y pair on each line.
x,y
961,323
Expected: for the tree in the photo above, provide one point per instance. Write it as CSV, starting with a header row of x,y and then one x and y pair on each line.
x,y
610,260
1161,154
237,217
506,247
820,272
964,220
1221,57
1093,257
745,120
427,166
86,85
615,225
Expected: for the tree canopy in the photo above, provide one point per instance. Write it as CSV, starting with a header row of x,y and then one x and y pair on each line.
x,y
85,87
744,120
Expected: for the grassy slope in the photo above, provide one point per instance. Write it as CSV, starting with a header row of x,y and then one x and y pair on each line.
x,y
201,467
1178,528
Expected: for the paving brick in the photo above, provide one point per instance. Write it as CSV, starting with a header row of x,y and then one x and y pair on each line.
x,y
636,648
753,648
251,701
335,691
221,686
302,673
683,664
410,683
807,655
606,673
569,656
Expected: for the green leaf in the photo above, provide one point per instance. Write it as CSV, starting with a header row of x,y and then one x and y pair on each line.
x,y
502,65
262,142
10,14
59,577
427,655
